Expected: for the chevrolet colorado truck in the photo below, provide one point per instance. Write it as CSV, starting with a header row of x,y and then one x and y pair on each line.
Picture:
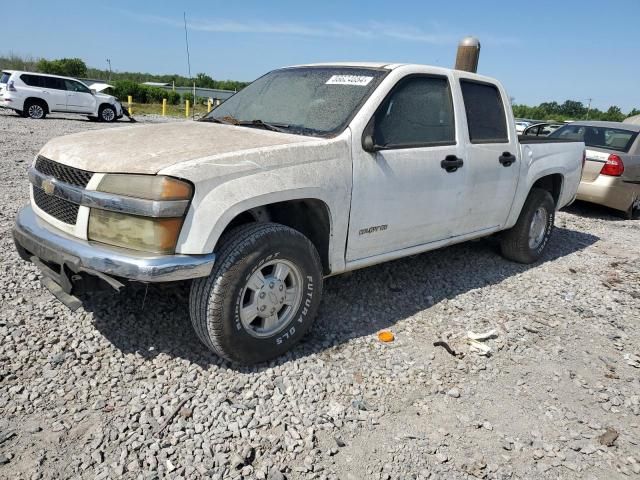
x,y
308,172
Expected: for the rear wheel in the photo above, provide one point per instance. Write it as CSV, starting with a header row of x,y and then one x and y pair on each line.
x,y
36,109
262,295
526,240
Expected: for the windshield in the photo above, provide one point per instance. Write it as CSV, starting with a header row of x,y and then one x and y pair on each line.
x,y
304,100
599,137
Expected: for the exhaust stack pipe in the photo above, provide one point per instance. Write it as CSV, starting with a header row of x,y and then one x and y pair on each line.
x,y
468,54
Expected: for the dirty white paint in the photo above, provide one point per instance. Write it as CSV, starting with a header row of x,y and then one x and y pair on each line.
x,y
404,200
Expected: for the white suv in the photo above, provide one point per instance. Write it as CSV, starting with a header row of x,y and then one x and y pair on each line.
x,y
36,94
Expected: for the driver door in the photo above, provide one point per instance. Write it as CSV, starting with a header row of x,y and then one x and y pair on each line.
x,y
407,190
79,97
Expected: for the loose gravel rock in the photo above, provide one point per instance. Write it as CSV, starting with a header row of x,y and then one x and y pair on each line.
x,y
86,393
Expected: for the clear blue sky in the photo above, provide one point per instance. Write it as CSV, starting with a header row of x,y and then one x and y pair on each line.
x,y
541,49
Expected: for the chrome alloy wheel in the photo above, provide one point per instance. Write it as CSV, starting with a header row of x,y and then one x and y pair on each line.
x,y
108,114
538,228
270,298
36,111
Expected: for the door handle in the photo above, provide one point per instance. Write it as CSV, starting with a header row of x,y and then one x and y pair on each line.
x,y
451,163
506,159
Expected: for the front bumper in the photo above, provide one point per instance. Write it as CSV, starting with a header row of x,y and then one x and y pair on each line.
x,y
36,240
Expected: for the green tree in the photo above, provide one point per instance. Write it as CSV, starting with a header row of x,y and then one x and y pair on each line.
x,y
614,114
573,108
70,67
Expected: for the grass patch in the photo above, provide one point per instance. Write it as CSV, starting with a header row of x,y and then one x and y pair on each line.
x,y
172,110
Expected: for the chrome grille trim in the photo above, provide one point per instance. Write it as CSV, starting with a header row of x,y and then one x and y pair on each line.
x,y
64,173
107,201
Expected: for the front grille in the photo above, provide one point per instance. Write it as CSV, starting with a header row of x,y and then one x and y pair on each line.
x,y
66,174
63,210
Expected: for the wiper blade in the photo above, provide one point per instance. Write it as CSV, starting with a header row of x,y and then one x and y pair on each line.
x,y
261,124
226,120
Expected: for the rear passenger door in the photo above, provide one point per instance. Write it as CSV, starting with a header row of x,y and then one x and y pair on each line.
x,y
79,97
492,165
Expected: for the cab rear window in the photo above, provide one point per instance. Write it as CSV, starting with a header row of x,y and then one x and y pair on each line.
x,y
598,137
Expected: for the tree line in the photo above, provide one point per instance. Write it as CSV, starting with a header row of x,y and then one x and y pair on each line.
x,y
571,110
76,67
128,83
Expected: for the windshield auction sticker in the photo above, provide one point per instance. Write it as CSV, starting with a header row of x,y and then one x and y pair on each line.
x,y
349,80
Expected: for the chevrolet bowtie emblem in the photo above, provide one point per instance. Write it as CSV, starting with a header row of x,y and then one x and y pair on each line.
x,y
48,187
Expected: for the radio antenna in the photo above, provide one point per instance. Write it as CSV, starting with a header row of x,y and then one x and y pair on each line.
x,y
186,41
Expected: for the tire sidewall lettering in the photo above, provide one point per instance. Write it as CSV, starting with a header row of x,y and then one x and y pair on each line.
x,y
288,334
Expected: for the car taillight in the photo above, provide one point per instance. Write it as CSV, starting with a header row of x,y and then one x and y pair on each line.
x,y
10,87
614,166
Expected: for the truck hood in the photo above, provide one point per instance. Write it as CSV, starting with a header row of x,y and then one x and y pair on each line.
x,y
151,148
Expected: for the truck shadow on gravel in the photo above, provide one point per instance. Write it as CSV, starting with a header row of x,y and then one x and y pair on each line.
x,y
155,321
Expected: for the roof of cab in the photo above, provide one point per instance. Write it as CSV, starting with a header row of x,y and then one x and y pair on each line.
x,y
393,66
386,65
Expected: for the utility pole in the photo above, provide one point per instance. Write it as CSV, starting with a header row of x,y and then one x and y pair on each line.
x,y
589,107
109,62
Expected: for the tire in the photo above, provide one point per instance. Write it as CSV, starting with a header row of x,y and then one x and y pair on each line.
x,y
36,109
19,112
107,113
223,305
526,240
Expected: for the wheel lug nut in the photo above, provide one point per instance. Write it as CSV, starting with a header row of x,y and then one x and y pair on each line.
x,y
271,285
262,294
281,287
262,308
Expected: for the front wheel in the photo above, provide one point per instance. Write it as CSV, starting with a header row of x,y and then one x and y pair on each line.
x,y
107,113
526,240
262,295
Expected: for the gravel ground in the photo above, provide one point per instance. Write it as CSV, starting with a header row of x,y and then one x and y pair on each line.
x,y
85,394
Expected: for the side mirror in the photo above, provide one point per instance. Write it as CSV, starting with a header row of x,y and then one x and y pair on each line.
x,y
368,144
93,92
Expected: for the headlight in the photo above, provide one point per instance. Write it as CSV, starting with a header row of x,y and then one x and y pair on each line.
x,y
145,233
150,187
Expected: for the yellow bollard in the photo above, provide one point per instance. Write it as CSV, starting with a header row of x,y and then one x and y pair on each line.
x,y
186,108
209,105
164,107
130,101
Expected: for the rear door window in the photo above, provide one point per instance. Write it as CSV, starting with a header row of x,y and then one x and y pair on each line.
x,y
485,112
54,83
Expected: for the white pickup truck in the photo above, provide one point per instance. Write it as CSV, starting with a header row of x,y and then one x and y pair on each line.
x,y
308,172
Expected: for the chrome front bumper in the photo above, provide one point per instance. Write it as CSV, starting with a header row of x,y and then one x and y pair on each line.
x,y
39,242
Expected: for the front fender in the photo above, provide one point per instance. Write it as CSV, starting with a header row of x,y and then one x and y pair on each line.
x,y
321,172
